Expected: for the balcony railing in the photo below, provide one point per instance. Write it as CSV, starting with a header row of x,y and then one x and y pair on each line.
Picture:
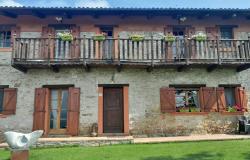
x,y
42,52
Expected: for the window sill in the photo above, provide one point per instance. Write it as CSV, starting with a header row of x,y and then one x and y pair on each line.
x,y
232,113
6,49
189,113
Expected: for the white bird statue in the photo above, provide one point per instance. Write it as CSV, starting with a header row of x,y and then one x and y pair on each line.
x,y
21,141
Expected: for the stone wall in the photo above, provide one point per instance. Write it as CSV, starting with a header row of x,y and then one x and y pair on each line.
x,y
144,102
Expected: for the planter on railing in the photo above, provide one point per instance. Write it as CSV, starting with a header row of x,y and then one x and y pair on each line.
x,y
200,37
136,38
169,38
66,36
99,37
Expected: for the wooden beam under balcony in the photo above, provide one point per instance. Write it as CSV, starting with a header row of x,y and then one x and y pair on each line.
x,y
212,67
243,67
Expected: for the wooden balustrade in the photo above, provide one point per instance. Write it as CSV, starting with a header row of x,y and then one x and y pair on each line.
x,y
126,51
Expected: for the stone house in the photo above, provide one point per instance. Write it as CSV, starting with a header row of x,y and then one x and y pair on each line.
x,y
154,72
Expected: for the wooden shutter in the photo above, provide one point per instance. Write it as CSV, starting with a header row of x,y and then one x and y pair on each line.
x,y
47,49
241,97
9,101
75,45
73,111
212,32
208,99
190,31
41,110
167,100
221,99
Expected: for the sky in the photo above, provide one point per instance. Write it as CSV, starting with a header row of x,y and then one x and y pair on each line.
x,y
131,3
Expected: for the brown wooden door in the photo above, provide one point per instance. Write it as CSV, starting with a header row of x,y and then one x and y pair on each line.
x,y
113,110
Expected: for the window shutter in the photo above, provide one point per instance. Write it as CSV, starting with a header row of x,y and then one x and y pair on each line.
x,y
221,99
41,110
241,97
208,99
9,101
73,111
48,46
75,45
212,32
190,31
167,100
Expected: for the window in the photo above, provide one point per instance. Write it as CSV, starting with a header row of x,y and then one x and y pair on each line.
x,y
226,32
179,31
187,100
59,108
5,36
230,96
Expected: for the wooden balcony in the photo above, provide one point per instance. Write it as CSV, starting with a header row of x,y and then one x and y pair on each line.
x,y
150,53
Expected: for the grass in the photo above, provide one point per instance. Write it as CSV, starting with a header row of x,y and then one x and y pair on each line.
x,y
213,150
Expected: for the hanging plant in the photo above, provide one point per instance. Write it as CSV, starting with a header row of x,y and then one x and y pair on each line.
x,y
136,37
170,38
66,36
99,37
200,37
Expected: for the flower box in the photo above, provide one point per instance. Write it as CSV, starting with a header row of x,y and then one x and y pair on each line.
x,y
99,37
200,37
66,36
136,38
170,38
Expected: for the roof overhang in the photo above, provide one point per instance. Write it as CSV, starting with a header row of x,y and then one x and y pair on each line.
x,y
14,12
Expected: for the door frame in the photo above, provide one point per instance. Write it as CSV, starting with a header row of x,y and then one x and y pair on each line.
x,y
125,107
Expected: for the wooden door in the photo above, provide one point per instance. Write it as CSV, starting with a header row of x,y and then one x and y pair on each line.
x,y
113,120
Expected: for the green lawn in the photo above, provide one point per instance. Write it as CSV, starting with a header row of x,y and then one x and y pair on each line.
x,y
213,150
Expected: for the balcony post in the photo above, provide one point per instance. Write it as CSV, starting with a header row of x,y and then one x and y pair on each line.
x,y
186,49
119,47
248,52
218,49
49,47
152,50
13,54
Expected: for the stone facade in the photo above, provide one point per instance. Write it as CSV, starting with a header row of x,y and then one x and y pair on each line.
x,y
144,102
145,117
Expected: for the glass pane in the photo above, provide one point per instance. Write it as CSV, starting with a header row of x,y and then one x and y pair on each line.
x,y
54,105
187,101
52,123
63,123
53,119
1,100
54,99
230,97
64,104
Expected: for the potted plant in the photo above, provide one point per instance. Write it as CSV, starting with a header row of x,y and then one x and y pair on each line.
x,y
170,38
99,37
66,36
200,37
136,37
